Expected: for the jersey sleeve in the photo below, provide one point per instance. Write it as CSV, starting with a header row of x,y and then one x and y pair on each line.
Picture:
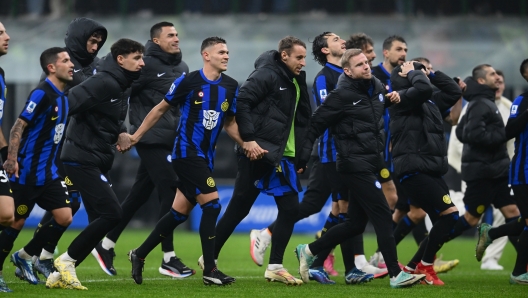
x,y
177,93
320,90
35,105
232,108
518,117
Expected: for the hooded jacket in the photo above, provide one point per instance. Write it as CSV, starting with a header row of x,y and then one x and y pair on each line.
x,y
418,139
482,132
98,108
159,72
354,111
266,107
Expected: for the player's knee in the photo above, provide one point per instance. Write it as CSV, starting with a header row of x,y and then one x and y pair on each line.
x,y
212,207
64,220
18,224
7,220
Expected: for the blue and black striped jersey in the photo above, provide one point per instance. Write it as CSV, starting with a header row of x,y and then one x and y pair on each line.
x,y
324,83
3,94
384,76
45,112
519,164
203,105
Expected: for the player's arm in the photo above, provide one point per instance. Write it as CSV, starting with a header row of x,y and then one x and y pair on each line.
x,y
3,145
518,117
86,95
472,128
231,128
150,120
11,164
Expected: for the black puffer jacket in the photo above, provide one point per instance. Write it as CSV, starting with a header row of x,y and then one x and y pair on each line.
x,y
159,72
98,108
354,110
418,139
481,129
266,105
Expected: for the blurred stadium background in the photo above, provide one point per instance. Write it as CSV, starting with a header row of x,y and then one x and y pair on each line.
x,y
455,35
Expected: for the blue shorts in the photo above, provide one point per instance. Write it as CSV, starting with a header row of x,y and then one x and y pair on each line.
x,y
280,181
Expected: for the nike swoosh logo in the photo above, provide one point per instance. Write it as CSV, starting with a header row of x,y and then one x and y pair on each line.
x,y
160,74
356,102
211,237
198,102
67,201
76,70
54,118
112,100
280,88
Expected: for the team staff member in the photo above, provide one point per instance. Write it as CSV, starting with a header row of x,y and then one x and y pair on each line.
x,y
163,64
84,38
208,102
273,110
485,160
356,128
97,113
516,128
33,147
419,152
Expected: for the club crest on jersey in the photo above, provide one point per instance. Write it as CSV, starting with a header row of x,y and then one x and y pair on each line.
x,y
59,131
104,178
56,108
210,119
225,106
169,158
378,185
387,87
200,94
380,97
31,107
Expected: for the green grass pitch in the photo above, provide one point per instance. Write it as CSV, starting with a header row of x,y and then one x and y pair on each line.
x,y
467,280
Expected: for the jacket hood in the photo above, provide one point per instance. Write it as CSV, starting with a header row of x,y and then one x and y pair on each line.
x,y
79,30
476,90
153,49
400,83
271,60
109,65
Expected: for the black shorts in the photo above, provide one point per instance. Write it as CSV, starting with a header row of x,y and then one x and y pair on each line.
x,y
51,196
5,187
483,192
194,177
62,173
403,203
338,187
520,193
427,192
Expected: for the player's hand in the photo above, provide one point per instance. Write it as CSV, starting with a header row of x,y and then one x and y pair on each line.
x,y
406,68
253,150
394,97
123,142
11,167
301,166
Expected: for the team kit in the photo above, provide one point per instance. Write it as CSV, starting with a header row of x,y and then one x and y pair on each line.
x,y
375,143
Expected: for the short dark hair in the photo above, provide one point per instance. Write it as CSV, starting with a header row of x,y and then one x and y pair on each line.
x,y
320,42
211,41
50,56
125,46
387,43
524,66
358,41
99,33
155,31
500,73
286,44
479,72
421,59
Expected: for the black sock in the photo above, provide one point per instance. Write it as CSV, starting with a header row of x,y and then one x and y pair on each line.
x,y
164,227
522,256
394,225
404,227
210,212
7,239
420,232
331,222
438,235
417,258
49,233
460,226
45,218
